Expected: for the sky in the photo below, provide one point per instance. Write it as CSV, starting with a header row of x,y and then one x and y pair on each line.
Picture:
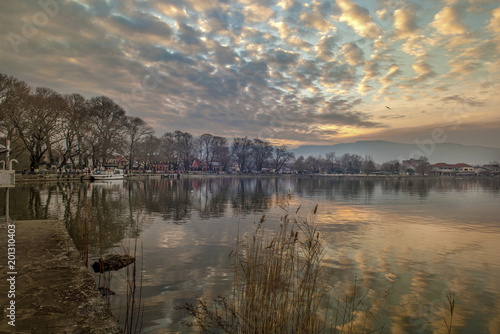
x,y
291,72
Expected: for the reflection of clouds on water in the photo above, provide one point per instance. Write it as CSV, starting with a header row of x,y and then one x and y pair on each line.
x,y
367,267
411,314
383,258
405,242
420,281
196,268
494,322
391,277
422,251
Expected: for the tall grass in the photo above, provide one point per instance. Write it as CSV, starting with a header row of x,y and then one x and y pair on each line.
x,y
280,285
450,297
134,311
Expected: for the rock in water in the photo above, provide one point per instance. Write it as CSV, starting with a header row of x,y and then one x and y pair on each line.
x,y
106,292
112,262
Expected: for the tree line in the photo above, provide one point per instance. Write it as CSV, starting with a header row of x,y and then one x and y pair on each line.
x,y
64,129
68,129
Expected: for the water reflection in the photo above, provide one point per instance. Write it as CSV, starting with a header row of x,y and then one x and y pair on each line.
x,y
406,241
176,200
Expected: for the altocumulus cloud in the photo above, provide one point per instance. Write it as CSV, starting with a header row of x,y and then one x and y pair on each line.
x,y
308,71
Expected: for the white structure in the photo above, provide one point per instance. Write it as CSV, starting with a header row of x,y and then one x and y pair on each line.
x,y
108,174
7,173
7,177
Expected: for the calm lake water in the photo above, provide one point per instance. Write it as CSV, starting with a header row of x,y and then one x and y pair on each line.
x,y
406,242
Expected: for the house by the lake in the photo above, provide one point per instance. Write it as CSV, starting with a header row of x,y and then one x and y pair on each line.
x,y
461,169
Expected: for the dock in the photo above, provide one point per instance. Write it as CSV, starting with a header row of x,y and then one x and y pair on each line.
x,y
48,289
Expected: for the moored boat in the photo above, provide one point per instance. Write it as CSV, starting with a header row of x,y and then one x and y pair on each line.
x,y
108,174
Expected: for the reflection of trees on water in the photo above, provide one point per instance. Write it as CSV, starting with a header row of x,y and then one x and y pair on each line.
x,y
329,187
251,195
422,186
95,215
369,186
211,197
176,200
113,206
109,208
66,201
31,202
352,189
171,198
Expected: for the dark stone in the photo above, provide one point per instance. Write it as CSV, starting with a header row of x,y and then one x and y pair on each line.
x,y
106,292
112,262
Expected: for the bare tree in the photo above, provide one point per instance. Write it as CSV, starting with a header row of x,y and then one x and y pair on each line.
x,y
136,129
14,93
299,164
221,152
331,160
241,149
74,128
350,163
184,146
149,151
167,150
314,164
280,157
392,166
424,167
109,123
261,153
368,165
36,123
206,142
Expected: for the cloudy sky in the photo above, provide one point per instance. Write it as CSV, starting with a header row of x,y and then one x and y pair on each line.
x,y
294,72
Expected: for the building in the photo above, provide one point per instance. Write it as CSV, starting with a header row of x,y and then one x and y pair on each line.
x,y
452,169
490,169
195,166
117,161
465,169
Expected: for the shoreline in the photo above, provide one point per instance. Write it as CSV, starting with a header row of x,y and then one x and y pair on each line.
x,y
52,289
54,178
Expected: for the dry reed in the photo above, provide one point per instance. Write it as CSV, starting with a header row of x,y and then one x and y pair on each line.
x,y
450,296
280,285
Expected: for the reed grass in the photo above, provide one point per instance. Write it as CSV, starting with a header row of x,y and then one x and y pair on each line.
x,y
134,312
450,297
280,285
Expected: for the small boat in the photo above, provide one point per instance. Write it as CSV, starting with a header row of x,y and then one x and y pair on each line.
x,y
108,174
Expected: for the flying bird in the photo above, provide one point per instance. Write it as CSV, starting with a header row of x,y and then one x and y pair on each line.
x,y
388,108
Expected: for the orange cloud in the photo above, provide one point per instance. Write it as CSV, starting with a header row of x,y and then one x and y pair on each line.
x,y
359,19
495,21
317,22
405,22
257,13
448,22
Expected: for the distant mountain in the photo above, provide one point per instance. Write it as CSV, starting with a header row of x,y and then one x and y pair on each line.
x,y
382,151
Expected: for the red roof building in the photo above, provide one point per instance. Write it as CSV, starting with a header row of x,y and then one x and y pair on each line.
x,y
442,168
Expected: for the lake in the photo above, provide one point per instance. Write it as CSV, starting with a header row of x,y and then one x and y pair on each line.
x,y
406,243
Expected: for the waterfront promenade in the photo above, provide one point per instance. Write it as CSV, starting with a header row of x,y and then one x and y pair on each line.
x,y
48,289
